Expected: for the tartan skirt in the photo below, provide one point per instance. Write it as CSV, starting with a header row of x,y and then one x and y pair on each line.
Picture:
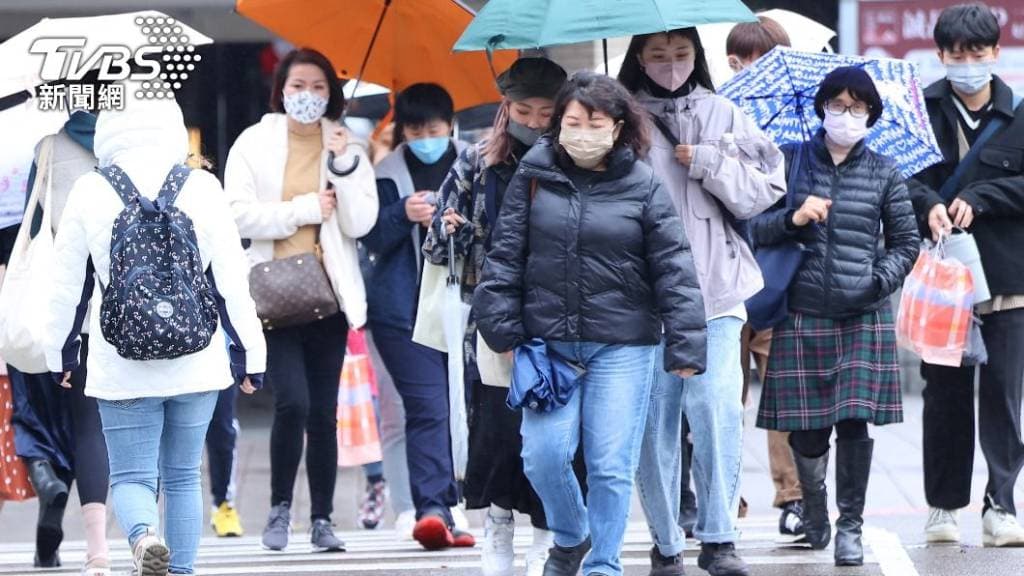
x,y
822,371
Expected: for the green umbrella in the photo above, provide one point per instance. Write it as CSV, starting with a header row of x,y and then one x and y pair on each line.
x,y
536,23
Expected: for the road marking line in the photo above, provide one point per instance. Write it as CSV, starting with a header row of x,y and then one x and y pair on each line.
x,y
888,550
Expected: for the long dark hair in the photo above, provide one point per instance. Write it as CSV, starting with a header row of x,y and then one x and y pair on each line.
x,y
599,92
632,74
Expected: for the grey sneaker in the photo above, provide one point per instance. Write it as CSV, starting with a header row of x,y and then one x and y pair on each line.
x,y
721,560
279,527
323,539
150,556
666,565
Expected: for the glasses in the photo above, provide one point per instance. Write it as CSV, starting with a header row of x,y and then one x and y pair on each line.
x,y
857,109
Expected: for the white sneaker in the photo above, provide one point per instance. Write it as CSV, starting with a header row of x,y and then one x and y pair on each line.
x,y
498,554
1000,529
459,518
942,526
537,555
405,523
150,555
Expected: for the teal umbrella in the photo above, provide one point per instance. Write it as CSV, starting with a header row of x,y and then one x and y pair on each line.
x,y
537,23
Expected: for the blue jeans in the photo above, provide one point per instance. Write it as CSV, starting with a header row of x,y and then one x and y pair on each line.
x,y
159,438
608,412
714,411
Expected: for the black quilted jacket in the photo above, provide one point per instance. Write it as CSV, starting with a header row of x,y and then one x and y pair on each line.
x,y
847,271
608,262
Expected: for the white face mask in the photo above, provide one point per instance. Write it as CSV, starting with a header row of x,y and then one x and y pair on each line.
x,y
844,129
587,146
305,107
970,77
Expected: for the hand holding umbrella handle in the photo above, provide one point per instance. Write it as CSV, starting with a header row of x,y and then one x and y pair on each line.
x,y
341,173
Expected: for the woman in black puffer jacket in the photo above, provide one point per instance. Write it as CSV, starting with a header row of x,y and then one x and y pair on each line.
x,y
833,361
590,256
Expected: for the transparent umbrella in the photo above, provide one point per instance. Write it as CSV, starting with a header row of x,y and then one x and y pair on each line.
x,y
456,315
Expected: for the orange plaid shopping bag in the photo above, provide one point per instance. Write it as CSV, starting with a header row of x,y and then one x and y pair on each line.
x,y
936,308
358,437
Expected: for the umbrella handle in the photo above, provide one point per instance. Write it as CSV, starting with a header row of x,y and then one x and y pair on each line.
x,y
346,171
452,276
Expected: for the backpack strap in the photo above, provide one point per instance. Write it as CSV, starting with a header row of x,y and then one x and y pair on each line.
x,y
995,124
172,186
120,182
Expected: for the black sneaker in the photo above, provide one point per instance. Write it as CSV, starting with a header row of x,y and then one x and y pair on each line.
x,y
279,527
323,538
566,561
791,522
721,560
666,565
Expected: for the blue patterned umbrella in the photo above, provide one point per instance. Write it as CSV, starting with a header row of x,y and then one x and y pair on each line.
x,y
778,90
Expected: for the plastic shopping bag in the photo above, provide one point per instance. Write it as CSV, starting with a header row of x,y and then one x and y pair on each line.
x,y
936,308
14,483
358,436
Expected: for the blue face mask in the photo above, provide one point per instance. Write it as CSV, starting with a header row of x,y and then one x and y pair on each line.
x,y
429,150
970,77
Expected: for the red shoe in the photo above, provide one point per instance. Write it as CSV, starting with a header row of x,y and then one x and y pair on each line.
x,y
462,539
433,534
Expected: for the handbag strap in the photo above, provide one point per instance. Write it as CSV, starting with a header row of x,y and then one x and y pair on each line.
x,y
949,189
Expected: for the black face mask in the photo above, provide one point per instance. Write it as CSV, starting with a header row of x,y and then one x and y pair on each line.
x,y
523,133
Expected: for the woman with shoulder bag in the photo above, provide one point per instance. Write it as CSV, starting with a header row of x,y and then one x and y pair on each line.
x,y
590,256
833,362
472,197
302,216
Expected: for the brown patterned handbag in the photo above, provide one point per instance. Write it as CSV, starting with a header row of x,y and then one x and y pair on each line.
x,y
292,291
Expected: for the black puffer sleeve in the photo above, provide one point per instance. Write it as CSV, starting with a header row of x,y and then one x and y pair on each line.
x,y
674,282
497,302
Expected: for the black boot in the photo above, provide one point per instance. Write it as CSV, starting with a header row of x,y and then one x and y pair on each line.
x,y
817,530
53,498
566,561
853,468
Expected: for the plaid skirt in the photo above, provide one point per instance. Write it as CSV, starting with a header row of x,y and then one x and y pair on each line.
x,y
822,371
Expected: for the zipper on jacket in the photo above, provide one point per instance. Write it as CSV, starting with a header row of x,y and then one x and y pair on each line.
x,y
829,237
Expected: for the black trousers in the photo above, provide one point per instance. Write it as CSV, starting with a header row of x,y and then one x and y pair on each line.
x,y
949,419
221,441
304,369
420,375
62,427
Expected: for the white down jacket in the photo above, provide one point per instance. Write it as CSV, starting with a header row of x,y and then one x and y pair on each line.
x,y
254,181
146,140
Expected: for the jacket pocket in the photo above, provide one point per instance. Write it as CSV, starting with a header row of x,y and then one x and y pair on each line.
x,y
1006,158
702,205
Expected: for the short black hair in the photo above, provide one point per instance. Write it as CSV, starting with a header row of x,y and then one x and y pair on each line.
x,y
336,100
422,103
858,83
967,26
632,74
597,92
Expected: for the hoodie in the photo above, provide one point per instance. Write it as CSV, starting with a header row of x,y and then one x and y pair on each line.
x,y
146,140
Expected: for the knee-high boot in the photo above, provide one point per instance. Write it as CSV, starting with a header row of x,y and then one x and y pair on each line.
x,y
853,468
817,530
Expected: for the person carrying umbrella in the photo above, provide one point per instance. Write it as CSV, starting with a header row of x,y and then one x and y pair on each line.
x,y
589,255
979,124
407,184
290,202
718,166
833,362
472,197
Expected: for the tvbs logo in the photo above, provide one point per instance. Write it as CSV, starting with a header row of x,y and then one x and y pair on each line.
x,y
65,59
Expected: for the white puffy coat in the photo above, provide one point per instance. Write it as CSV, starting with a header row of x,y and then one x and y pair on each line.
x,y
146,140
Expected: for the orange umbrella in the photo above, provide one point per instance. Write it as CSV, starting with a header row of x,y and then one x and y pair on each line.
x,y
395,43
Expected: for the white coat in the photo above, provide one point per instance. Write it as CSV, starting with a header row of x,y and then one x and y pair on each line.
x,y
254,182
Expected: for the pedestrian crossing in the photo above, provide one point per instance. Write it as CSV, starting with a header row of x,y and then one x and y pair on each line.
x,y
382,552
